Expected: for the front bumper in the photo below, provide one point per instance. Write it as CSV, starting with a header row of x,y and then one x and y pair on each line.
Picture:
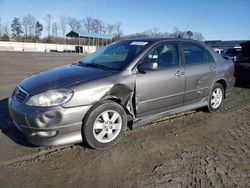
x,y
48,126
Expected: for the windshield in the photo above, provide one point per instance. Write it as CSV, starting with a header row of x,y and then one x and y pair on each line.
x,y
233,52
115,56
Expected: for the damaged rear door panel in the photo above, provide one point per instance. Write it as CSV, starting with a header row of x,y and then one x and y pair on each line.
x,y
200,72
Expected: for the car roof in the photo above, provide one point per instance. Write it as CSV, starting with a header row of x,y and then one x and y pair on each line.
x,y
157,39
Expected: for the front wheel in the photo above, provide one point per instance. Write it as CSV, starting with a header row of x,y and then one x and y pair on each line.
x,y
104,125
216,97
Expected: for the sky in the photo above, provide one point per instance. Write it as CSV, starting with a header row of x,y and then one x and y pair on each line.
x,y
215,19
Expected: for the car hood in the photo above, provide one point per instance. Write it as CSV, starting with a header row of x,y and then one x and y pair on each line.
x,y
60,77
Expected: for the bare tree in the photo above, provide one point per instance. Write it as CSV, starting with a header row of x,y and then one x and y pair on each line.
x,y
6,29
28,24
155,31
73,23
63,24
198,36
31,25
152,32
95,25
177,33
118,31
102,27
1,28
166,34
48,20
6,36
87,24
55,29
110,28
82,23
25,23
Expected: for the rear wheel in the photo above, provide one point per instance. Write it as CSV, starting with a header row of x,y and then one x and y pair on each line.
x,y
104,125
216,97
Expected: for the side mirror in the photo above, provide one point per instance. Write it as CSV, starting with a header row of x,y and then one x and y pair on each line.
x,y
147,66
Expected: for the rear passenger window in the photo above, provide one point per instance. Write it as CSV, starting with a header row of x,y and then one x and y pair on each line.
x,y
194,54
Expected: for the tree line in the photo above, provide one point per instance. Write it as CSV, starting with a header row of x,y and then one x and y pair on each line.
x,y
176,33
52,30
30,29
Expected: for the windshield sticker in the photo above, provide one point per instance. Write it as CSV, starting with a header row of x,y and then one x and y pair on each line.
x,y
139,43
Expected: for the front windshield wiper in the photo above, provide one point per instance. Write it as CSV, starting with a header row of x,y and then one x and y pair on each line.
x,y
94,65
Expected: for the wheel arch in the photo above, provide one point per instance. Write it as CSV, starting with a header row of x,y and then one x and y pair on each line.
x,y
224,84
121,103
110,98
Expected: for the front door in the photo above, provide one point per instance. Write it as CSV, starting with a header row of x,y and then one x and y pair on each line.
x,y
162,89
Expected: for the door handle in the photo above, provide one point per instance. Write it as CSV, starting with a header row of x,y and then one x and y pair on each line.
x,y
179,73
212,68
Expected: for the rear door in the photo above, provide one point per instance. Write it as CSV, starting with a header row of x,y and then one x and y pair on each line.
x,y
162,89
200,70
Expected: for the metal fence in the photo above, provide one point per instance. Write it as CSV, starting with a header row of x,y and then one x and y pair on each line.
x,y
44,47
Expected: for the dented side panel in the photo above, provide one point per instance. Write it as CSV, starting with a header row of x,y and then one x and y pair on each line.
x,y
199,78
118,86
124,92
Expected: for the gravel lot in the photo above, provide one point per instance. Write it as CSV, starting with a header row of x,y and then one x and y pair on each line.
x,y
193,149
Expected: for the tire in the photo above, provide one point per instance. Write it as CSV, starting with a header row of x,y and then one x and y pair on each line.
x,y
104,125
216,97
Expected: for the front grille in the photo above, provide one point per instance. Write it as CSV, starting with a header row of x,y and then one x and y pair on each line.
x,y
20,94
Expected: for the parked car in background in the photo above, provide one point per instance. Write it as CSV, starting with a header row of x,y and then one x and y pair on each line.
x,y
132,81
242,64
232,52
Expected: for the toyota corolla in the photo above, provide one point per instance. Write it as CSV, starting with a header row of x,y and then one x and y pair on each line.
x,y
130,82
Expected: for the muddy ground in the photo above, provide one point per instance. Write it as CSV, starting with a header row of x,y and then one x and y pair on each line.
x,y
193,149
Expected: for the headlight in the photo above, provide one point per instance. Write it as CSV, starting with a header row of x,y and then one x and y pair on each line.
x,y
51,98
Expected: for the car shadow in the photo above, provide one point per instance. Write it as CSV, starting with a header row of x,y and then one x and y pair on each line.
x,y
8,128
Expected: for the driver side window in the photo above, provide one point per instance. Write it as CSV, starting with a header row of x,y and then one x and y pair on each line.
x,y
166,55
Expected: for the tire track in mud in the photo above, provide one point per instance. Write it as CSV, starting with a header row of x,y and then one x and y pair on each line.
x,y
240,133
34,156
194,170
241,128
210,167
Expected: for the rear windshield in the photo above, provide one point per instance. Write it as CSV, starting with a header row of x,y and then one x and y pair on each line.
x,y
235,51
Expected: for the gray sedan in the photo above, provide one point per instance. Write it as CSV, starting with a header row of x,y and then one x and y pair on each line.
x,y
130,82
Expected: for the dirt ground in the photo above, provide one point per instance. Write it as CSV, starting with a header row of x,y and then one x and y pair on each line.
x,y
193,149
